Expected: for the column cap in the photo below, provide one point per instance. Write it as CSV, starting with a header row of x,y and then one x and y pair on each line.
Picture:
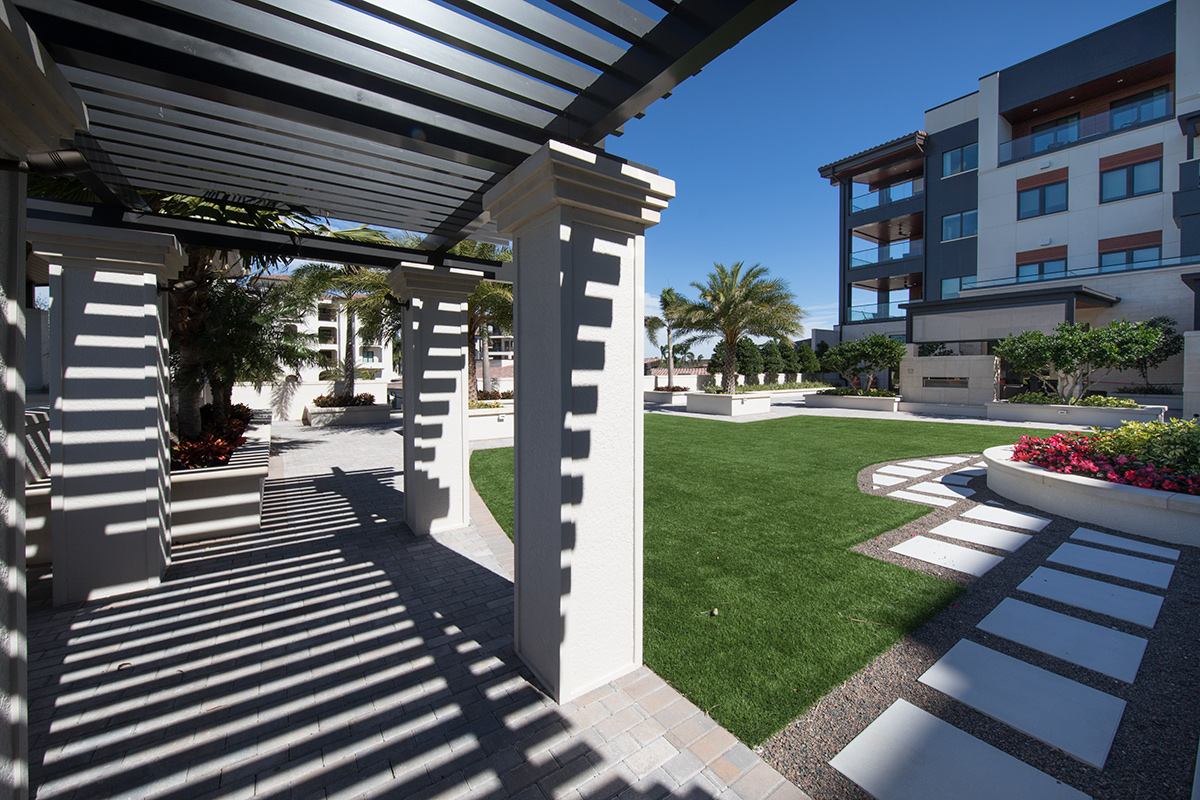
x,y
408,281
559,174
114,249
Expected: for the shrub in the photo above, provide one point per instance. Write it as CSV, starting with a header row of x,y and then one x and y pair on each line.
x,y
481,404
672,389
1099,401
1035,399
1148,389
344,400
1173,445
1076,454
507,395
846,391
209,450
779,386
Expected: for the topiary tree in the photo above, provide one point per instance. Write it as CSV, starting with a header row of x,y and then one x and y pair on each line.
x,y
844,359
1171,345
880,353
749,360
772,362
806,360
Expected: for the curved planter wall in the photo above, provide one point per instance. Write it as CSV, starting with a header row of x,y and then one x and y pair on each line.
x,y
1083,416
223,501
347,415
850,401
729,405
1167,516
666,398
490,423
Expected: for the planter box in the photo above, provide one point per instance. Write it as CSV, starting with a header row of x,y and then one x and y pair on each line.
x,y
728,405
792,394
665,398
1173,402
1167,516
850,401
1083,416
215,502
347,415
490,423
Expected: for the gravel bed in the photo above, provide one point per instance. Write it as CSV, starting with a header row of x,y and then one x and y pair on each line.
x,y
1154,752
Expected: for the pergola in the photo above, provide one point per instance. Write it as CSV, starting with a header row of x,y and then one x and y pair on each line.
x,y
455,119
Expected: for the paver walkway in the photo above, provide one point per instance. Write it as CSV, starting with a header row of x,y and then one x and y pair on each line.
x,y
334,654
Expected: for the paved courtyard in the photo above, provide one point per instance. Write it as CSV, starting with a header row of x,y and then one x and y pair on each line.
x,y
334,654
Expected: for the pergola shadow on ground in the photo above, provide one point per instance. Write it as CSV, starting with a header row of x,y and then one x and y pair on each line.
x,y
336,654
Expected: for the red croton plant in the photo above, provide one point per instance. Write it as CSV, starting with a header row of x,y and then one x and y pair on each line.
x,y
213,448
1073,454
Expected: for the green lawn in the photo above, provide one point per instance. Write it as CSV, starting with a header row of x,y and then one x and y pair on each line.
x,y
757,520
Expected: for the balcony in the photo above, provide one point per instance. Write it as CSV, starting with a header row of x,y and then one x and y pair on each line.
x,y
874,312
1091,271
1074,129
888,195
326,314
327,335
889,251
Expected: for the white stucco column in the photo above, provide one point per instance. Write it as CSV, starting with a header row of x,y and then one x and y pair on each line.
x,y
577,220
110,484
436,447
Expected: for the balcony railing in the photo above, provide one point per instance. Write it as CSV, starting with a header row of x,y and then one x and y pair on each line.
x,y
892,251
888,194
1090,271
1084,129
875,311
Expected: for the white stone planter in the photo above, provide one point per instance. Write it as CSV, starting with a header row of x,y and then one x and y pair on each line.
x,y
214,502
1173,402
665,398
728,405
347,415
490,423
850,401
1167,516
793,394
1083,416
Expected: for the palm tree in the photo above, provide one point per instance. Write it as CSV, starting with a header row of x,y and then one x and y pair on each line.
x,y
371,310
672,304
732,305
490,305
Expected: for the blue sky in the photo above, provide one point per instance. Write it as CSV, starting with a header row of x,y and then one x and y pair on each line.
x,y
744,138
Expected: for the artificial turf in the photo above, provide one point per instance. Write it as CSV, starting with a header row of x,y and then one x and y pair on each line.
x,y
756,520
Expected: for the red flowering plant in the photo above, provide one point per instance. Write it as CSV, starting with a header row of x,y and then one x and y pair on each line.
x,y
1076,454
212,448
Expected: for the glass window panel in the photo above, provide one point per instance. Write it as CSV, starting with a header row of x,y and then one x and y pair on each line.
x,y
952,162
1113,185
1056,267
970,156
1147,178
951,227
1027,272
970,223
950,288
968,282
1113,262
1145,254
1027,204
1056,198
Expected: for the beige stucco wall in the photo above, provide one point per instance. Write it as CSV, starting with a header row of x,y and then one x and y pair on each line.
x,y
982,374
1191,375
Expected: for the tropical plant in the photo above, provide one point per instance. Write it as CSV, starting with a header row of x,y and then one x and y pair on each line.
x,y
489,306
671,306
865,357
843,358
733,304
1170,345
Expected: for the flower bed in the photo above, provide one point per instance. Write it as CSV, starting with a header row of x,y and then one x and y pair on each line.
x,y
1075,454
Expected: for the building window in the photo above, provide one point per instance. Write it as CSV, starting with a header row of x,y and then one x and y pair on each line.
x,y
1131,181
1042,271
1042,200
1119,260
952,286
1051,135
960,159
962,224
1140,108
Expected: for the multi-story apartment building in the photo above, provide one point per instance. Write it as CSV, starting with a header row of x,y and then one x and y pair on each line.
x,y
1066,188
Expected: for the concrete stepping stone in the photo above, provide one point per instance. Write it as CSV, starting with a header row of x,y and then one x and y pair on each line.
x,y
951,459
927,499
1118,565
1131,605
985,535
942,490
1077,719
921,464
951,556
970,473
980,464
1121,543
905,472
886,480
955,479
909,754
1087,644
1013,519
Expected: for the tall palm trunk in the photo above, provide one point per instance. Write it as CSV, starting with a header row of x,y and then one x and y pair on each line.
x,y
729,373
487,361
349,363
670,360
187,320
472,389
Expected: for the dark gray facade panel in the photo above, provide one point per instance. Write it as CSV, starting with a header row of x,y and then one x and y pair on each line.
x,y
948,195
1126,44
